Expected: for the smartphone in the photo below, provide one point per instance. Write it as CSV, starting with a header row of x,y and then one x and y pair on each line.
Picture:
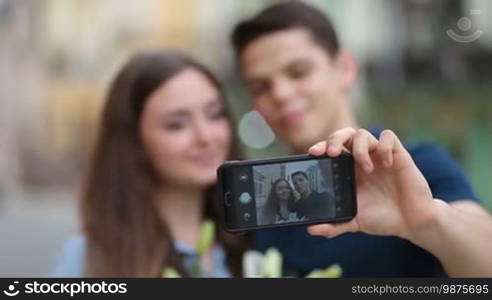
x,y
286,191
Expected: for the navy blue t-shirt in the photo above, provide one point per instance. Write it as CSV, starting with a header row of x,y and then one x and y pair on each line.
x,y
364,255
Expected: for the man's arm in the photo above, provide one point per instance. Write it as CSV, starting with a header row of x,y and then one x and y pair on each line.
x,y
461,238
394,198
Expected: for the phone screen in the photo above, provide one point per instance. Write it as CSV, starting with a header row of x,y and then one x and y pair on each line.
x,y
293,192
304,190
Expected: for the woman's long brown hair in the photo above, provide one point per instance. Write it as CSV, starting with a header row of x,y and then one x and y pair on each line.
x,y
272,206
126,237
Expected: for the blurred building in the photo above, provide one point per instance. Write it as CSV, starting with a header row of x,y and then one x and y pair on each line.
x,y
264,177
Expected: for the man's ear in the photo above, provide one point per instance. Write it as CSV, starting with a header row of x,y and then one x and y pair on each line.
x,y
348,68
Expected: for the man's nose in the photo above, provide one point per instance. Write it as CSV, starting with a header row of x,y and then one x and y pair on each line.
x,y
282,90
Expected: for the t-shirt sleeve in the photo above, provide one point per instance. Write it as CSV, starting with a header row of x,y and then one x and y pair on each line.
x,y
445,176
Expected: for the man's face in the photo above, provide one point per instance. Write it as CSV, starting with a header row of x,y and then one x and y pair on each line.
x,y
295,85
301,184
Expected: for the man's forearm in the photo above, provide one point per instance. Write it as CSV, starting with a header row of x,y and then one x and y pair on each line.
x,y
461,240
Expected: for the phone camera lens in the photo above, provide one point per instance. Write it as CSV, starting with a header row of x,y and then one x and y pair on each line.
x,y
245,198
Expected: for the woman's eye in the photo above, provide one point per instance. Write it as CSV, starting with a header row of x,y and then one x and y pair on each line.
x,y
297,74
174,126
216,113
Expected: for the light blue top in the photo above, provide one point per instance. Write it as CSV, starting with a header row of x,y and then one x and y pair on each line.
x,y
71,261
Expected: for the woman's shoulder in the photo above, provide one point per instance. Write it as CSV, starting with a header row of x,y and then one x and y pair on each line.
x,y
75,241
71,258
74,245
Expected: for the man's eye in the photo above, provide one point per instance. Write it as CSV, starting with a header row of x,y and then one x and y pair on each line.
x,y
258,88
299,71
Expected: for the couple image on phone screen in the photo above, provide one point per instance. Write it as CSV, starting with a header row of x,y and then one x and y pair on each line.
x,y
302,200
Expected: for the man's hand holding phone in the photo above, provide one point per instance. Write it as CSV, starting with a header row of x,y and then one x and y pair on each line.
x,y
393,197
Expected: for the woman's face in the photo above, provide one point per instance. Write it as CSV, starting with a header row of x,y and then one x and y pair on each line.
x,y
184,130
283,190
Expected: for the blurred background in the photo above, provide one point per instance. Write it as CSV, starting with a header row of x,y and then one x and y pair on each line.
x,y
426,69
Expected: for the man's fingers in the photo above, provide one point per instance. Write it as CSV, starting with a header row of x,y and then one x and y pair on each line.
x,y
386,147
338,140
359,142
389,147
363,144
333,230
335,143
318,149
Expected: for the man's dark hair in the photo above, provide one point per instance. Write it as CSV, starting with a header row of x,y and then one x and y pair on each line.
x,y
299,173
287,15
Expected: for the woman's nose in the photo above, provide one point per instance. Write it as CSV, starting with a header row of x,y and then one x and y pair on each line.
x,y
203,133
